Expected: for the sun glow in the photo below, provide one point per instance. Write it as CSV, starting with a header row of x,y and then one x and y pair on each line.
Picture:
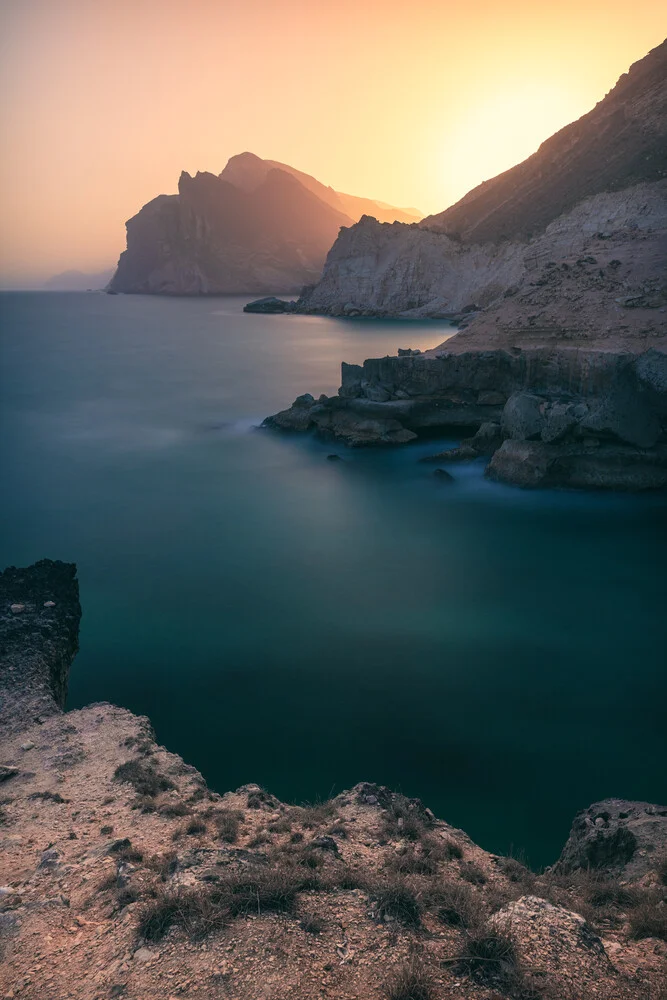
x,y
501,130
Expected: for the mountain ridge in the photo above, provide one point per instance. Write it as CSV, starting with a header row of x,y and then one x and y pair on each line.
x,y
257,227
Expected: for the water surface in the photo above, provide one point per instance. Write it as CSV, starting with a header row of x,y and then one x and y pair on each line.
x,y
308,624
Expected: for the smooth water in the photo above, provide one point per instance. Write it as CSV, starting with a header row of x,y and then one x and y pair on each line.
x,y
307,624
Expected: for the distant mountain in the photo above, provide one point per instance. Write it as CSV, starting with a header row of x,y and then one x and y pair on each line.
x,y
79,281
247,171
258,227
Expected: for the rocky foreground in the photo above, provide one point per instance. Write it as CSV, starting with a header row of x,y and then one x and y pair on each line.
x,y
123,875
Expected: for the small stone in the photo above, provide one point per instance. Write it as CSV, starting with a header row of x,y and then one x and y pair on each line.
x,y
16,609
334,458
27,746
143,955
443,476
49,604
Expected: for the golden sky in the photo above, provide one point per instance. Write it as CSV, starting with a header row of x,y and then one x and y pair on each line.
x,y
412,102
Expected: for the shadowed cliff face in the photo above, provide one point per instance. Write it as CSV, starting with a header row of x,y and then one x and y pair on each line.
x,y
39,638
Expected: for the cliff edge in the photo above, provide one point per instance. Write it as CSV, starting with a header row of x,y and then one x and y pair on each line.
x,y
124,875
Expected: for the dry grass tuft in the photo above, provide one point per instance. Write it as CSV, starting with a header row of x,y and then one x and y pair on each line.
x,y
145,780
411,982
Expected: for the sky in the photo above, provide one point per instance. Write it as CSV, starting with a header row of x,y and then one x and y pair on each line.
x,y
104,102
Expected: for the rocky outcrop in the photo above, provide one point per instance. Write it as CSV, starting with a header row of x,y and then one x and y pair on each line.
x,y
123,874
269,304
258,227
39,638
617,837
591,419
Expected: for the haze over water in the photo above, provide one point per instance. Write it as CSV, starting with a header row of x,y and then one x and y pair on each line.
x,y
307,624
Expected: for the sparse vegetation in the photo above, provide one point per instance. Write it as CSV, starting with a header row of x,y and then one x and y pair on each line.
x,y
260,839
226,822
196,827
456,905
472,873
411,982
106,831
395,899
489,957
143,777
403,820
314,814
282,825
312,925
649,918
170,810
260,799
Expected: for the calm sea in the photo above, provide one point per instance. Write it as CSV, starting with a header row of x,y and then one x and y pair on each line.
x,y
307,624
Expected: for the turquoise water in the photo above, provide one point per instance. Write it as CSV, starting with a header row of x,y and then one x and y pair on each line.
x,y
308,624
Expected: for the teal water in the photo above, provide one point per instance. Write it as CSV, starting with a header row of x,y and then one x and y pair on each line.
x,y
308,624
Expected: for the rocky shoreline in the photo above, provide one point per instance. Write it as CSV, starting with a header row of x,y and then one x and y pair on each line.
x,y
544,417
123,875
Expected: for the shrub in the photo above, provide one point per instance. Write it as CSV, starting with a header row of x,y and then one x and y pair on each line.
x,y
48,797
261,799
106,831
312,925
173,809
649,919
296,838
143,777
163,865
472,873
411,862
283,825
396,899
439,849
402,820
411,982
490,957
260,839
195,827
312,814
274,890
126,896
197,912
338,830
456,905
516,871
662,871
227,822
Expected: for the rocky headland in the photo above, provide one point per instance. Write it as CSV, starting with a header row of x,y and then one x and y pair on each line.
x,y
124,875
555,274
258,227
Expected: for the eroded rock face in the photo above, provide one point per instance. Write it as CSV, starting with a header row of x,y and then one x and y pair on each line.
x,y
39,641
616,836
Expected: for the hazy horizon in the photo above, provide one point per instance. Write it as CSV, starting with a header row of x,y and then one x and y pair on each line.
x,y
105,104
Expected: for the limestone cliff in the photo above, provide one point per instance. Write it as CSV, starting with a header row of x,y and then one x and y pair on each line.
x,y
569,245
123,875
258,227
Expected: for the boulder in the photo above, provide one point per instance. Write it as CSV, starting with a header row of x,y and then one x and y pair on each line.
x,y
523,417
551,937
624,414
583,465
560,419
464,453
617,837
